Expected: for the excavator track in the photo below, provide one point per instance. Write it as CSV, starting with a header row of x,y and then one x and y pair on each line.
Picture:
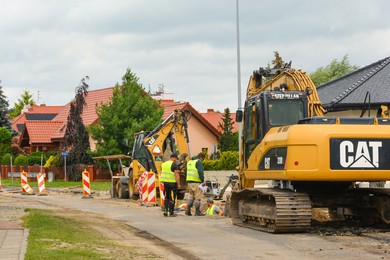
x,y
271,210
368,204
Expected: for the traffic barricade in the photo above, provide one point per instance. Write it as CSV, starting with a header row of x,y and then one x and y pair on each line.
x,y
41,185
86,185
152,200
142,188
26,189
162,197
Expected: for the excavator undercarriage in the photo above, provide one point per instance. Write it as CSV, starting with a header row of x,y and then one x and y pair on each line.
x,y
271,210
286,211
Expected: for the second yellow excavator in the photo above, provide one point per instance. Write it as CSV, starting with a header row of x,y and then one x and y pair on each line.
x,y
311,160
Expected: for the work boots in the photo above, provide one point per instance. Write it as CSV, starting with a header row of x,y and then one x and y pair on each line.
x,y
197,209
189,206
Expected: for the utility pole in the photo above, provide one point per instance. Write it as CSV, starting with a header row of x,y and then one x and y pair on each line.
x,y
238,76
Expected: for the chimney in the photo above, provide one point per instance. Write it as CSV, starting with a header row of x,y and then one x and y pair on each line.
x,y
210,111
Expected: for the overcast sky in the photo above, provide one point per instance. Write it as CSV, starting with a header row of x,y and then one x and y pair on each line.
x,y
190,47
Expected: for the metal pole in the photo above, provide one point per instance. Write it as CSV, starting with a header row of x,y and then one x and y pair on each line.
x,y
41,162
65,168
12,174
238,76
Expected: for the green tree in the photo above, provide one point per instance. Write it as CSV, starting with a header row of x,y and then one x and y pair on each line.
x,y
21,160
334,70
4,119
5,141
76,136
130,110
228,140
26,99
6,159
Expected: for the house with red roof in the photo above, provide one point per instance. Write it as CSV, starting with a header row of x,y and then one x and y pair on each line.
x,y
37,134
34,112
203,136
216,118
40,135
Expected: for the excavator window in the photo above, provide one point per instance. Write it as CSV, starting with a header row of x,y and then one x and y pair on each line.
x,y
251,129
285,112
140,152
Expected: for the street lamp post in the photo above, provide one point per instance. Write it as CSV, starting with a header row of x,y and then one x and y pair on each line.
x,y
238,76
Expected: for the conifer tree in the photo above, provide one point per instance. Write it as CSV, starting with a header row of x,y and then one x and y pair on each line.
x,y
4,119
228,140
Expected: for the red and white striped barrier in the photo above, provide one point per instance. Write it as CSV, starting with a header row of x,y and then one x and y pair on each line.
x,y
152,188
86,185
41,185
26,189
147,188
142,189
162,197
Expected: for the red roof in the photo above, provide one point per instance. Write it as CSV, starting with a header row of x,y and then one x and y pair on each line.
x,y
216,117
172,106
34,109
41,131
42,109
93,97
20,119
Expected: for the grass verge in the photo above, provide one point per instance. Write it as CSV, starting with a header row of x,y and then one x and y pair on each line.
x,y
56,236
103,186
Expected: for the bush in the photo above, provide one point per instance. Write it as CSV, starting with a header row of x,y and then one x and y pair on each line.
x,y
32,160
228,161
59,160
21,160
6,159
210,165
35,158
52,160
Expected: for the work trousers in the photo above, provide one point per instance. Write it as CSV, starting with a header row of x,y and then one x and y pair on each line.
x,y
170,192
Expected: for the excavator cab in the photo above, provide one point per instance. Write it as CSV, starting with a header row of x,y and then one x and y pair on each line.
x,y
271,109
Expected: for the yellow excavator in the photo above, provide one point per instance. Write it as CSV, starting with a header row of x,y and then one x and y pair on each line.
x,y
150,150
311,160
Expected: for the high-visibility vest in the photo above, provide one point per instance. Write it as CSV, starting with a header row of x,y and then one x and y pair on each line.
x,y
167,175
210,210
192,172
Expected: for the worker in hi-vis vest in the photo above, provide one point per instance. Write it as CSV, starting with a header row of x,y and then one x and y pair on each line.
x,y
171,179
195,178
213,210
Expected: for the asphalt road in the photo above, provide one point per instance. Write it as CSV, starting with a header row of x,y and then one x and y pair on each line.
x,y
217,238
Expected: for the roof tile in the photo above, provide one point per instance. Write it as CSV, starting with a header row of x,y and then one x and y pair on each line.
x,y
40,131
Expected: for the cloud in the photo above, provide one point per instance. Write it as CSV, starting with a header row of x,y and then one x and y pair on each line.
x,y
189,46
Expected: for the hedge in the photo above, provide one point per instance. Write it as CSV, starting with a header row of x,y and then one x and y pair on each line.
x,y
227,161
